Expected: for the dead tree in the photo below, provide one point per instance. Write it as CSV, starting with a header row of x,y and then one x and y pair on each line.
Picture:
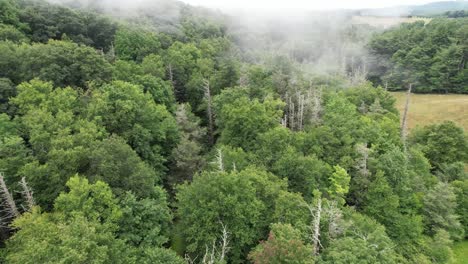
x,y
27,193
217,252
209,111
224,243
219,160
334,215
244,77
316,226
171,74
8,203
361,165
302,102
315,210
292,114
284,121
317,106
404,125
301,105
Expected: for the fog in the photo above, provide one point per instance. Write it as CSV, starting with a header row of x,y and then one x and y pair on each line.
x,y
320,42
302,4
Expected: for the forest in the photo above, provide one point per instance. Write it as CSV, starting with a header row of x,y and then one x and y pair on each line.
x,y
166,137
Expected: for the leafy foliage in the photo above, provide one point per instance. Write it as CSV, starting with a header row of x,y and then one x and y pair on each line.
x,y
432,57
136,133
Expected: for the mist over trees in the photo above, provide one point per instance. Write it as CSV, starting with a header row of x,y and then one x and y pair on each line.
x,y
157,132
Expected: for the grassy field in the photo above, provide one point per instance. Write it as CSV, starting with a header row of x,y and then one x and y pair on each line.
x,y
434,108
460,251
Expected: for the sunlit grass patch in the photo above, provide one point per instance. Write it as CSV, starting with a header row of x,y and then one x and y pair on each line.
x,y
428,109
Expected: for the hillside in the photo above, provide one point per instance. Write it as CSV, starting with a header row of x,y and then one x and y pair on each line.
x,y
140,131
437,8
430,9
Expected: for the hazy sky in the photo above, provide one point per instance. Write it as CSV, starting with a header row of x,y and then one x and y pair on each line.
x,y
302,4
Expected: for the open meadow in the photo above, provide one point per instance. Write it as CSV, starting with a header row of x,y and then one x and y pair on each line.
x,y
434,108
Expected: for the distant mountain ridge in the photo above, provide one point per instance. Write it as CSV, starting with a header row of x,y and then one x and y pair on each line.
x,y
430,9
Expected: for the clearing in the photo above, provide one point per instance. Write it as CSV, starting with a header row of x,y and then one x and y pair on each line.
x,y
428,109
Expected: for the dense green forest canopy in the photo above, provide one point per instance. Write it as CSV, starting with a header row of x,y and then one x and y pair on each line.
x,y
431,57
146,139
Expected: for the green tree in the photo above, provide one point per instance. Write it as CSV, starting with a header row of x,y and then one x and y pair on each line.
x,y
95,202
181,60
241,201
383,210
43,238
440,248
135,44
114,162
243,120
273,145
79,230
11,33
125,110
9,12
145,222
158,256
461,190
304,173
442,143
364,242
7,90
339,186
45,21
187,159
284,245
339,133
290,208
440,205
60,139
62,62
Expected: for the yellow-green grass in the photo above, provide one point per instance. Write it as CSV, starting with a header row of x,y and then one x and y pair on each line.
x,y
460,251
428,109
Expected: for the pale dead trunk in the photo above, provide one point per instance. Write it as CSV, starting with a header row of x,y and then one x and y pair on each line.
x,y
316,227
27,194
209,111
8,202
404,123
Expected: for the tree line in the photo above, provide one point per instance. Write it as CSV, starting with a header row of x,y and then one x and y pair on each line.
x,y
431,57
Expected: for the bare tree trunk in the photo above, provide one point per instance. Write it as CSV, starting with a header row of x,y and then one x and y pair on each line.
x,y
27,194
334,215
363,150
301,111
404,125
224,243
315,210
8,202
209,112
219,160
284,121
215,255
316,227
171,74
112,52
291,114
317,100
